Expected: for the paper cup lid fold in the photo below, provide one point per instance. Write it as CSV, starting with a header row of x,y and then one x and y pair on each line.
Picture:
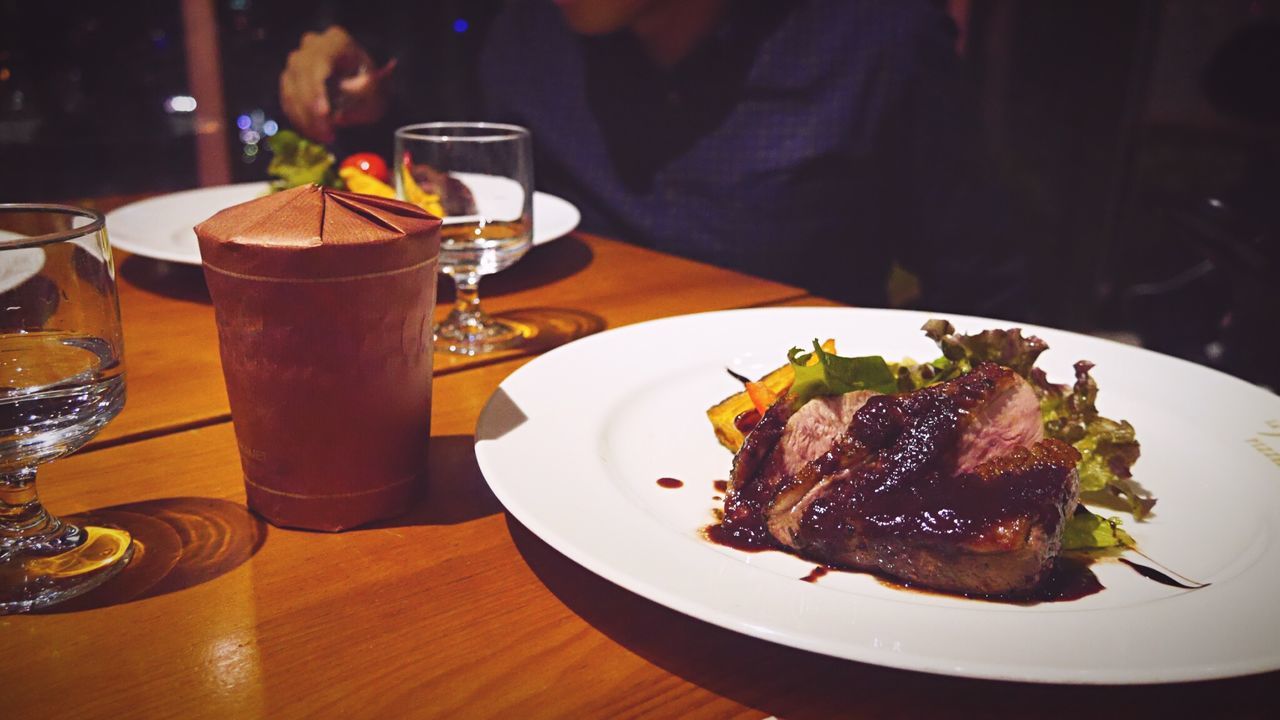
x,y
310,232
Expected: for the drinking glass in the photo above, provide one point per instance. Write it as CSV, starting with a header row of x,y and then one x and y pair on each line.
x,y
61,381
479,177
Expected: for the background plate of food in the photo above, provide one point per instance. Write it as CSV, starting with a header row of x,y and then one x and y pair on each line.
x,y
160,227
603,449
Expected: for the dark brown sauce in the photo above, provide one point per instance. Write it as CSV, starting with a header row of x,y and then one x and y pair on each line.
x,y
722,486
747,420
717,498
815,573
670,483
1153,574
745,542
1070,579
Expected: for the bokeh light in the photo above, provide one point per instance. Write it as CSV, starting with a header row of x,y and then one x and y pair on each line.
x,y
180,104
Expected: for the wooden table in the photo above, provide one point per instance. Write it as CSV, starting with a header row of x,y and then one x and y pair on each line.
x,y
452,610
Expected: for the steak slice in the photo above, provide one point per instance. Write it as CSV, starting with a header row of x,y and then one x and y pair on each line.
x,y
782,444
1008,420
758,443
951,487
992,531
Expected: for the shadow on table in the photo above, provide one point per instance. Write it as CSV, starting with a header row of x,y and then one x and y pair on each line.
x,y
455,491
175,280
502,415
545,328
178,543
785,682
542,328
542,265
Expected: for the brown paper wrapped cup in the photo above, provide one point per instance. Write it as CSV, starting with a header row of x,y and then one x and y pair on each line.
x,y
324,304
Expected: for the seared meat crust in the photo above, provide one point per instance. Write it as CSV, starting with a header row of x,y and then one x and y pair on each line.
x,y
951,487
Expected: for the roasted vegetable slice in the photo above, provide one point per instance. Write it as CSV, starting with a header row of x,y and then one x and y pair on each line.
x,y
724,413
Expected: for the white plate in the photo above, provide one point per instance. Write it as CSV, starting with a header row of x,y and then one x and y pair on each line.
x,y
160,227
573,443
20,265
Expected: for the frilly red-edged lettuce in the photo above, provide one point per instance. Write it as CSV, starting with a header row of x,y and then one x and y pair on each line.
x,y
1108,447
1002,347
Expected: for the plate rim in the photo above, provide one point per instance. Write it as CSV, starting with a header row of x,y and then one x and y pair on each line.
x,y
701,610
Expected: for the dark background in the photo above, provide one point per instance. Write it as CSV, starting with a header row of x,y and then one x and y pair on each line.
x,y
1143,135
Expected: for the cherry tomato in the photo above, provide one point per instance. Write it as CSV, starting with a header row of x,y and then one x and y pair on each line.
x,y
369,163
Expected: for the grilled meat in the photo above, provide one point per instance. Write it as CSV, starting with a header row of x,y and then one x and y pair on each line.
x,y
455,197
779,447
951,487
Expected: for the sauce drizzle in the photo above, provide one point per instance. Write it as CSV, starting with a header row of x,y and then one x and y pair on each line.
x,y
747,420
815,573
670,483
1070,579
1151,573
746,542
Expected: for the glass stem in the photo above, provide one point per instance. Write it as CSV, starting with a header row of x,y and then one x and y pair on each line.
x,y
466,303
23,520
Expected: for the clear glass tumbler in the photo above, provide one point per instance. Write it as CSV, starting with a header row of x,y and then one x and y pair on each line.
x,y
61,380
479,178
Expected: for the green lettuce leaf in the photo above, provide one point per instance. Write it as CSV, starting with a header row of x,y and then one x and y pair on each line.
x,y
296,161
1086,531
836,375
913,376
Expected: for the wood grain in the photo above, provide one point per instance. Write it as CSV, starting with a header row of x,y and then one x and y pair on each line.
x,y
566,289
452,610
174,374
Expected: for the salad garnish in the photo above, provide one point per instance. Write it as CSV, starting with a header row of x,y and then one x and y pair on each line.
x,y
296,161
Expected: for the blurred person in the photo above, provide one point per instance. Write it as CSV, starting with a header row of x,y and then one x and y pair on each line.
x,y
814,142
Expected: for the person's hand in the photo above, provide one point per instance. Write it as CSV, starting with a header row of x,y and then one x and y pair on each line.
x,y
330,81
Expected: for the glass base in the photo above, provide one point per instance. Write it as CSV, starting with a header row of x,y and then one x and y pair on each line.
x,y
80,559
478,338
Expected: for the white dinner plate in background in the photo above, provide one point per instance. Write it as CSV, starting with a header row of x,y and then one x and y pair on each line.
x,y
160,227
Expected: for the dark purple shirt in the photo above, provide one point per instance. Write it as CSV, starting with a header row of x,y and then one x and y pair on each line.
x,y
813,142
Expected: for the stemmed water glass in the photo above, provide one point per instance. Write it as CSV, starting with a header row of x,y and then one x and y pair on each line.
x,y
61,381
479,177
